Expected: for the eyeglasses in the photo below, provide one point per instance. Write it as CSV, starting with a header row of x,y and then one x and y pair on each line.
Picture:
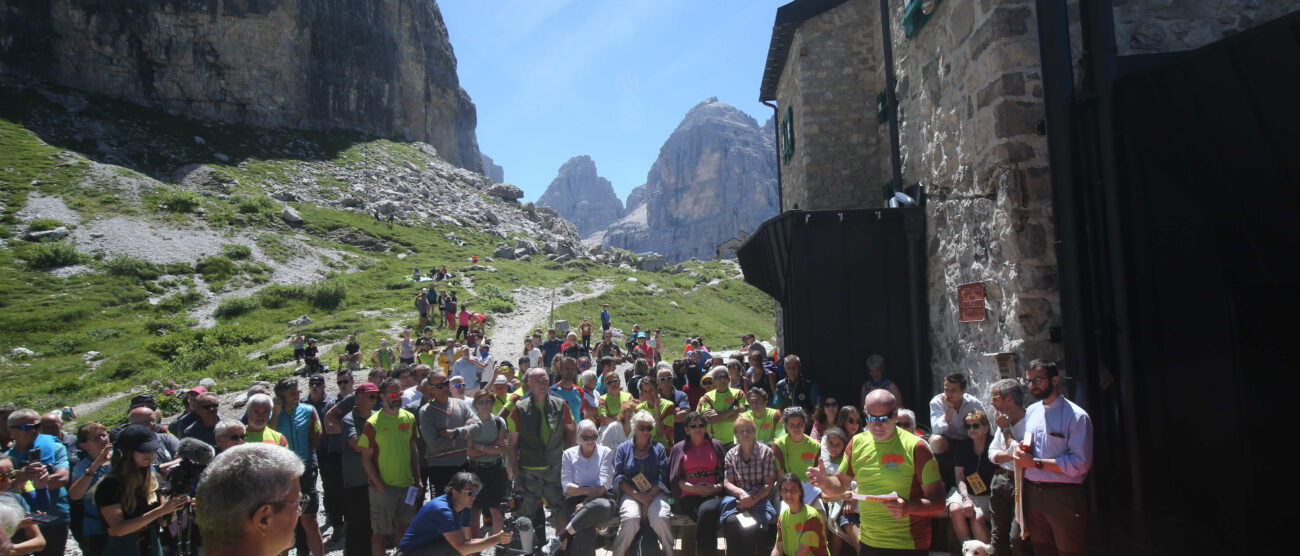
x,y
458,386
10,475
974,426
645,428
696,426
880,418
394,395
852,421
344,382
301,500
209,407
831,404
589,437
439,385
615,381
471,492
665,378
234,437
26,428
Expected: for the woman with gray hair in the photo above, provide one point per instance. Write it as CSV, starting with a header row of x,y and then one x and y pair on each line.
x,y
587,380
641,477
249,500
587,475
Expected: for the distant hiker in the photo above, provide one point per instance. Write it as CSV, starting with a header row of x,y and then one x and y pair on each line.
x,y
462,330
391,216
312,356
451,311
382,357
299,347
585,328
474,258
422,306
604,318
416,275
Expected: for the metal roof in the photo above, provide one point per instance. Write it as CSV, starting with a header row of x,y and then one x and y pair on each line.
x,y
788,18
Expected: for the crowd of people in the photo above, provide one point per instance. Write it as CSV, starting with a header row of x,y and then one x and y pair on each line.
x,y
443,450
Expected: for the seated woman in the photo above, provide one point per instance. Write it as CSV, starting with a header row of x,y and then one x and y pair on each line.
x,y
849,423
640,475
824,416
696,475
800,530
587,475
127,496
750,472
968,504
846,515
441,527
619,431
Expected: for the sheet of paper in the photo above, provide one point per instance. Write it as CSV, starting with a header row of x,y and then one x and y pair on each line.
x,y
810,492
411,493
746,520
876,497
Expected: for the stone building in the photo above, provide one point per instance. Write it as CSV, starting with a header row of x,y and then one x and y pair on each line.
x,y
970,120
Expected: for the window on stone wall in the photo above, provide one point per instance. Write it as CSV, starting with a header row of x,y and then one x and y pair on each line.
x,y
787,136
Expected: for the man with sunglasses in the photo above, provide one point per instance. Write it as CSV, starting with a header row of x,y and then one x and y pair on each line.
x,y
356,495
392,461
446,423
442,527
1056,460
52,468
228,434
204,425
329,457
883,461
665,379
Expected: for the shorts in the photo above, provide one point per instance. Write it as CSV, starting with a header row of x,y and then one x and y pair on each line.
x,y
389,508
406,360
308,484
981,502
495,481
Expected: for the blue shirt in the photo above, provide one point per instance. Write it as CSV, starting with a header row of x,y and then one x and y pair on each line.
x,y
296,429
550,349
466,369
1070,446
431,522
55,455
654,465
571,396
91,524
604,317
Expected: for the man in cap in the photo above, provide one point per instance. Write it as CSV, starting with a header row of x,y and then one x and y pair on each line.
x,y
300,425
329,456
391,459
178,425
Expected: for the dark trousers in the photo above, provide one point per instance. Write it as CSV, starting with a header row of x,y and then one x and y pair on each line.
x,y
594,513
1056,515
437,477
331,478
462,331
356,519
864,550
705,510
56,539
1006,531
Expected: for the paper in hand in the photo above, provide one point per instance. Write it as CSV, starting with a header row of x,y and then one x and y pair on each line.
x,y
411,493
876,497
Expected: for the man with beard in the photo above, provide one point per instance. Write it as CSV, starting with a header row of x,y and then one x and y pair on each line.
x,y
392,462
1056,461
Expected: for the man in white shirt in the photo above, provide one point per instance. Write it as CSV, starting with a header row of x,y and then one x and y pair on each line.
x,y
948,412
1008,401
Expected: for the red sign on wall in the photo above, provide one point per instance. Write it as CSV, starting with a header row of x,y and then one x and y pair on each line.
x,y
970,302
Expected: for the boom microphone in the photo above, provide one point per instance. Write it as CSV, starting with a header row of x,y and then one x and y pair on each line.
x,y
524,530
196,451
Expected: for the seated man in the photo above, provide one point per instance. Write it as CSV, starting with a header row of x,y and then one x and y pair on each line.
x,y
442,527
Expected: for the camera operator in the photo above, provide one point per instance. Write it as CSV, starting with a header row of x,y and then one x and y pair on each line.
x,y
442,527
127,498
249,500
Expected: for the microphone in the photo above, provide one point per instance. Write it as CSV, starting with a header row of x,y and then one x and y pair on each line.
x,y
195,450
524,530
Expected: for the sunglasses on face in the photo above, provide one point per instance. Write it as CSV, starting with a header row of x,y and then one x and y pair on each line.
x,y
344,382
26,428
471,492
615,381
395,395
10,475
852,421
234,437
589,437
905,424
483,402
458,386
974,426
210,407
665,378
696,426
879,418
645,428
439,385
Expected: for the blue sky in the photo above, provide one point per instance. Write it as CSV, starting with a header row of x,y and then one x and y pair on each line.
x,y
554,79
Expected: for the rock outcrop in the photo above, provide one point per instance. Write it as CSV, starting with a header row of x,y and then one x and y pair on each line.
x,y
384,68
635,198
715,175
493,170
582,197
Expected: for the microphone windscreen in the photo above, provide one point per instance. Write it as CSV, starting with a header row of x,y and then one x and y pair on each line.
x,y
196,450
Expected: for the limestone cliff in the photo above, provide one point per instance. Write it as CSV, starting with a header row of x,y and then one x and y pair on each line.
x,y
384,67
635,198
715,175
582,197
493,170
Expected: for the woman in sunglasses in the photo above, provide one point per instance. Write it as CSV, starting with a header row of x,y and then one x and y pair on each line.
x,y
849,422
442,527
695,475
92,438
968,504
587,475
641,476
127,496
824,416
487,445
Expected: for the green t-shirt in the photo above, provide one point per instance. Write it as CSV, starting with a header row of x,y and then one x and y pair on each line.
x,y
385,358
796,530
267,435
668,411
610,404
720,401
427,358
390,436
881,468
798,457
767,428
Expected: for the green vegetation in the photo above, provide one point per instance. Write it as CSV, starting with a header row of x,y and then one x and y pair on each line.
x,y
51,255
43,224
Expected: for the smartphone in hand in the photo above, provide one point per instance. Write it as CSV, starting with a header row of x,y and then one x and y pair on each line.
x,y
34,455
42,518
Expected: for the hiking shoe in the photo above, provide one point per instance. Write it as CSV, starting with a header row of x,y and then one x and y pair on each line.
x,y
552,546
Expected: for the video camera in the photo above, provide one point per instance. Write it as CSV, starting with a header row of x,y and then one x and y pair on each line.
x,y
183,478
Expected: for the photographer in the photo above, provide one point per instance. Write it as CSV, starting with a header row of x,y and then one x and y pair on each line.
x,y
127,498
43,460
20,535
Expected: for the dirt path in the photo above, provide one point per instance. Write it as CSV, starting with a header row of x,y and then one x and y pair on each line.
x,y
532,305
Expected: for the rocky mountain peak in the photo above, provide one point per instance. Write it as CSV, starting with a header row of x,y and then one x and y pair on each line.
x,y
578,194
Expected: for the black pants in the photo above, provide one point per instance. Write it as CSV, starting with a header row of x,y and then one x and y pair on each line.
x,y
864,550
748,541
1002,506
56,539
462,331
331,478
356,519
437,477
1056,516
594,513
706,510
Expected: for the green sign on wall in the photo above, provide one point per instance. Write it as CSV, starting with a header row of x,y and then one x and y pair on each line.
x,y
787,136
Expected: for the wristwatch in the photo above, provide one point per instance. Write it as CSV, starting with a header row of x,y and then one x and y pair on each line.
x,y
1038,463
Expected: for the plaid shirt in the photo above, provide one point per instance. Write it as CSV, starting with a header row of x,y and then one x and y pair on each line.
x,y
754,474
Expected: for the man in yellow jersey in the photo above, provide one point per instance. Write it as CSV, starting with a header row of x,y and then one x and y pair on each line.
x,y
885,461
721,406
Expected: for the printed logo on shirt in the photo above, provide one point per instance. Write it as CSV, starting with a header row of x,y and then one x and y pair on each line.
x,y
891,461
403,427
766,426
807,457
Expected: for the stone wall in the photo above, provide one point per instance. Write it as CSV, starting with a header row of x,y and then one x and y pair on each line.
x,y
384,67
831,78
1153,26
970,98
